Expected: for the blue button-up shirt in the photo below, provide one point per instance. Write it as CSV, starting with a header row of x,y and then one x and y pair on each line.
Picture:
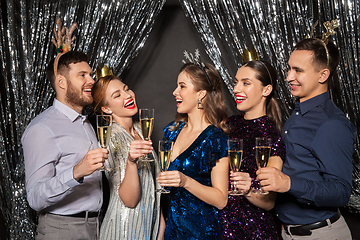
x,y
319,143
53,143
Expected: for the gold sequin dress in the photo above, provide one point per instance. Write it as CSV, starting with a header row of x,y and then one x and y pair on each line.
x,y
121,222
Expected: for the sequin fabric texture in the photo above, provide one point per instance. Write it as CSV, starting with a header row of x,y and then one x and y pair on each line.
x,y
121,222
240,219
187,216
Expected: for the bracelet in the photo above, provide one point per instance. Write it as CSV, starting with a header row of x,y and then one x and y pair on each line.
x,y
131,159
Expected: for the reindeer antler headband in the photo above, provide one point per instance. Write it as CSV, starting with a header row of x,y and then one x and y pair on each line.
x,y
63,41
330,26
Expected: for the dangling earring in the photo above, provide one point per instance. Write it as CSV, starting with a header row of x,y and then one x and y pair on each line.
x,y
200,105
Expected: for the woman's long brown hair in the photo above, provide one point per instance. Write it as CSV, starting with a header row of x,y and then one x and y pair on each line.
x,y
215,109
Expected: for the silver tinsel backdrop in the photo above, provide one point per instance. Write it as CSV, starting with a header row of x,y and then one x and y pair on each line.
x,y
274,27
113,32
110,32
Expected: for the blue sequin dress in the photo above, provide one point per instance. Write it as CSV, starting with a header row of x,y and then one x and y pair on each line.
x,y
187,216
240,219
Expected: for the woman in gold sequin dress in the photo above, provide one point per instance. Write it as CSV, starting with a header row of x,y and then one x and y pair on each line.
x,y
134,207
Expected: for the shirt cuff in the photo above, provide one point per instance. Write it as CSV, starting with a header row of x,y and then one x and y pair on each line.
x,y
69,178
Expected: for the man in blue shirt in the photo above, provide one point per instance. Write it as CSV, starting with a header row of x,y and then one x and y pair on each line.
x,y
317,173
62,155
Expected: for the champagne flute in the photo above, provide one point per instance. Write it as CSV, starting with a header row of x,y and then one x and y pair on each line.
x,y
104,123
147,123
165,150
262,154
235,149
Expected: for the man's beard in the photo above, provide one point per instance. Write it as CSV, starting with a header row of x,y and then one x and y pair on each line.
x,y
75,96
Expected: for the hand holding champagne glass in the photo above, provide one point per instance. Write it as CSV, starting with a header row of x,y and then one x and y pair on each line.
x,y
262,154
235,149
104,123
147,123
165,150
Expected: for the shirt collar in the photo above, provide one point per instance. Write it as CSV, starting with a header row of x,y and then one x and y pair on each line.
x,y
313,102
69,112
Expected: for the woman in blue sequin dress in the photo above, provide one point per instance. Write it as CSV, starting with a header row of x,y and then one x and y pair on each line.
x,y
198,174
248,216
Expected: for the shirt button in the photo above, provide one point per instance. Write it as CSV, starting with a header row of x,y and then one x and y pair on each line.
x,y
297,113
285,132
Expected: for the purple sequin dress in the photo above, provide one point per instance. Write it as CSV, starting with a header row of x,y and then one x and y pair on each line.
x,y
240,219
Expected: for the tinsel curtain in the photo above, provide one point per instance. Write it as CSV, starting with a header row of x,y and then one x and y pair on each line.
x,y
113,32
110,32
274,27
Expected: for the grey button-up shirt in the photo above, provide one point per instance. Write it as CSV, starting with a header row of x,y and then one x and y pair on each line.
x,y
53,143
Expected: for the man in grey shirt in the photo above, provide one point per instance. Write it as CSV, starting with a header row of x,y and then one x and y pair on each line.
x,y
62,155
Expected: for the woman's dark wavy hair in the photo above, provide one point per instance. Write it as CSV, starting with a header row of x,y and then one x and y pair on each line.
x,y
215,109
266,74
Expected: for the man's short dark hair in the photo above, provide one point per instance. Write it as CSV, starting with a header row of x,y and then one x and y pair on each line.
x,y
317,47
63,64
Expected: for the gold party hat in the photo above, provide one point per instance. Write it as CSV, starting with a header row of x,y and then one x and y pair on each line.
x,y
250,56
105,71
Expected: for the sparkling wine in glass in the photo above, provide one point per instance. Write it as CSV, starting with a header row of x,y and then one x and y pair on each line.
x,y
235,149
165,150
262,154
147,124
104,123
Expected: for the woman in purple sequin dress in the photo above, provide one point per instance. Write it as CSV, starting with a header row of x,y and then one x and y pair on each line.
x,y
248,216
